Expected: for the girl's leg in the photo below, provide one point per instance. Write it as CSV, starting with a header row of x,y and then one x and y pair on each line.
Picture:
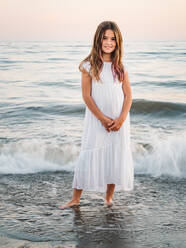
x,y
109,193
75,199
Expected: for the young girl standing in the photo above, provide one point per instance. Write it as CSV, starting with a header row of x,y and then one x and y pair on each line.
x,y
105,162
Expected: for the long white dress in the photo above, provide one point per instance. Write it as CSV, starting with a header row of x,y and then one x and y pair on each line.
x,y
105,157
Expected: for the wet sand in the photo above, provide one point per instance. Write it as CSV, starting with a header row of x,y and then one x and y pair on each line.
x,y
152,215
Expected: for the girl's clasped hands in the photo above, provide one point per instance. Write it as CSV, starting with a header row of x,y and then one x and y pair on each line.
x,y
112,125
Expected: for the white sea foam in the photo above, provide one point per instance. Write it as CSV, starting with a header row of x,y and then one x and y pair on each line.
x,y
34,156
167,157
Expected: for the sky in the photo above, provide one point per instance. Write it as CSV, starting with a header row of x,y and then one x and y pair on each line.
x,y
77,20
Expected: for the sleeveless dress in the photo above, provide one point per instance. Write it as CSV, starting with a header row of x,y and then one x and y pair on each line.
x,y
105,157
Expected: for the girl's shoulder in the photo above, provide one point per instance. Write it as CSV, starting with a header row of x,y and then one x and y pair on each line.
x,y
85,65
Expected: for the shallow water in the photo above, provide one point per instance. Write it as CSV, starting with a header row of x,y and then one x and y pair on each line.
x,y
152,215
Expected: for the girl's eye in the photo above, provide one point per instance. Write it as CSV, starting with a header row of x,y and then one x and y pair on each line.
x,y
106,38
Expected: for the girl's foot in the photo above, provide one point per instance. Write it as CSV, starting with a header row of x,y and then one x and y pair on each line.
x,y
108,203
70,204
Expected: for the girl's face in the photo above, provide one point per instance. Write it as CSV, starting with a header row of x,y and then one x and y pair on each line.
x,y
109,41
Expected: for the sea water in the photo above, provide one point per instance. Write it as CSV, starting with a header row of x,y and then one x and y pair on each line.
x,y
41,123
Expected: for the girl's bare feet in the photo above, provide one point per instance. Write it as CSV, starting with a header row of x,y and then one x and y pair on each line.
x,y
108,202
109,194
70,204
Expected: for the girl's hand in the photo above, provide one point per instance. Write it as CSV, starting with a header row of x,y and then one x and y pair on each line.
x,y
107,122
117,124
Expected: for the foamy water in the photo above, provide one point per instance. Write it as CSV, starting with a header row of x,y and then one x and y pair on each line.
x,y
163,157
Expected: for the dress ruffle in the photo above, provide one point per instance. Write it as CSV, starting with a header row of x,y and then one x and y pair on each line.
x,y
98,167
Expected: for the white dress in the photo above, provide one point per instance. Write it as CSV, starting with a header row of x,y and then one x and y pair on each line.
x,y
105,157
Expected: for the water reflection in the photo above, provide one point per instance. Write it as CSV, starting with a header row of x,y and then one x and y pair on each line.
x,y
102,227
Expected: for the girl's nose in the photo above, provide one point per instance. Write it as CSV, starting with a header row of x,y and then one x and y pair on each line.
x,y
109,42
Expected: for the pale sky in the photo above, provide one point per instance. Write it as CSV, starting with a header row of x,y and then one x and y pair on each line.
x,y
58,20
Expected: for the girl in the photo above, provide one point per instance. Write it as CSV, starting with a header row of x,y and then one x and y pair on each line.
x,y
105,162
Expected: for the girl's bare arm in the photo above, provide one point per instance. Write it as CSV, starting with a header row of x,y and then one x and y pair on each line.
x,y
128,97
86,85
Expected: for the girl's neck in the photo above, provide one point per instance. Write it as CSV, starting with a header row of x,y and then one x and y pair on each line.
x,y
107,58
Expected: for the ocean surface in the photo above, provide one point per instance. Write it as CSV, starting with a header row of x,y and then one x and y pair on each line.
x,y
41,123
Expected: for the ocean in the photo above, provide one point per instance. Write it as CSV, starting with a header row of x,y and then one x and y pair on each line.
x,y
41,124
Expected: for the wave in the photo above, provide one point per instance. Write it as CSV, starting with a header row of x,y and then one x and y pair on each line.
x,y
165,83
139,106
59,58
164,157
157,108
168,53
35,156
158,158
34,111
60,109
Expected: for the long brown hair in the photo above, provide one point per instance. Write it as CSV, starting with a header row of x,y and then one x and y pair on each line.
x,y
95,57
